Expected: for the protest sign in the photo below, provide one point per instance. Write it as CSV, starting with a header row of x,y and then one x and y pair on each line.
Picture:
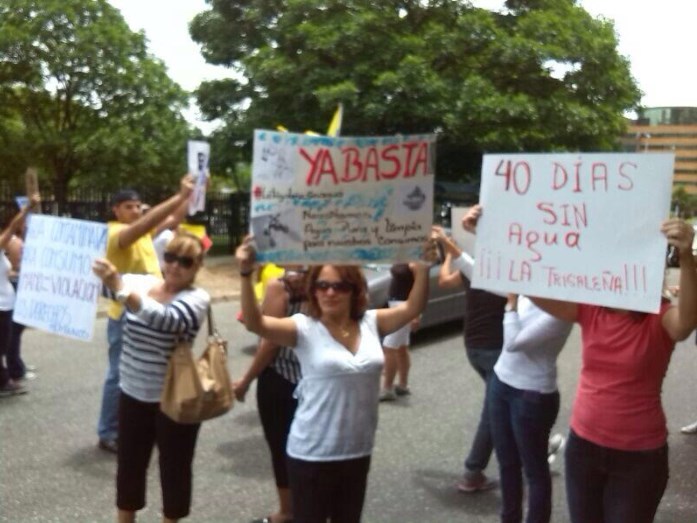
x,y
57,290
575,227
198,156
321,199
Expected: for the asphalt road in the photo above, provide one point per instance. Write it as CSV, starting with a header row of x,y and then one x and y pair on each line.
x,y
51,470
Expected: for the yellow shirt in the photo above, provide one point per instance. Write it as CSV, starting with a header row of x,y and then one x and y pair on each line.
x,y
138,258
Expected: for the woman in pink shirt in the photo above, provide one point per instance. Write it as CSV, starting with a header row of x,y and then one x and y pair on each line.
x,y
617,455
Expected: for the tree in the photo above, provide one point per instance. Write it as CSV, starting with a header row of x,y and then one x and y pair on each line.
x,y
85,100
543,76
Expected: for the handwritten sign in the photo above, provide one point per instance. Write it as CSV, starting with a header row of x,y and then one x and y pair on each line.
x,y
198,155
464,239
57,290
320,199
575,227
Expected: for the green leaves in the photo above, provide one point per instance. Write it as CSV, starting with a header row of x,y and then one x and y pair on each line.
x,y
544,76
96,108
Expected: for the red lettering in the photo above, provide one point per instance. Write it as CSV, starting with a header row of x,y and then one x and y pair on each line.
x,y
421,160
548,208
626,176
371,162
556,184
388,156
326,167
353,168
599,173
313,164
409,146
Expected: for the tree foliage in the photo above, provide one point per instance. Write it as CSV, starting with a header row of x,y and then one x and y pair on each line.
x,y
543,76
81,98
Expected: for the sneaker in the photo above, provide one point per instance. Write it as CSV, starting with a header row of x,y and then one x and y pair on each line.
x,y
689,429
28,376
555,444
12,388
401,391
387,395
109,445
475,482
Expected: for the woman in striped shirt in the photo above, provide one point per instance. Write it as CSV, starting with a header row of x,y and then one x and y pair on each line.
x,y
158,313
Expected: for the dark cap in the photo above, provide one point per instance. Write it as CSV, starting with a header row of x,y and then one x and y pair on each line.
x,y
124,195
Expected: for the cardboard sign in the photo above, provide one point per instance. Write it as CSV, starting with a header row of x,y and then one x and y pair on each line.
x,y
198,156
575,227
57,290
320,199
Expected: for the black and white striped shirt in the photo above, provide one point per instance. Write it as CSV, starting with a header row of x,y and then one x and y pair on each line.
x,y
150,335
286,363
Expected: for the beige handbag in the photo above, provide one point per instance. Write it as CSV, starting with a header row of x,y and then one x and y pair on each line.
x,y
198,389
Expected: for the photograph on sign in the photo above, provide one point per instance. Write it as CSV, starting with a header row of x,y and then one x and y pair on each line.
x,y
320,199
58,292
198,157
575,227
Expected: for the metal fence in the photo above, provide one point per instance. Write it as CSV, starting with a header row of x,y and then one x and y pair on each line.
x,y
226,217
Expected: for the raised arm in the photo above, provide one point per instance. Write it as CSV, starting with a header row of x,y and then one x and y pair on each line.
x,y
448,276
173,220
540,330
275,304
128,235
17,222
391,319
681,320
281,331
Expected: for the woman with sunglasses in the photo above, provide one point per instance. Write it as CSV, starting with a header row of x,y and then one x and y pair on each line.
x,y
338,345
159,313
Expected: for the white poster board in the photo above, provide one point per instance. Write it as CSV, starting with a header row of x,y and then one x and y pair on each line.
x,y
575,227
320,199
57,290
198,157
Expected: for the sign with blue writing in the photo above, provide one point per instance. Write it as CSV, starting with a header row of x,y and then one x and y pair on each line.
x,y
320,199
57,290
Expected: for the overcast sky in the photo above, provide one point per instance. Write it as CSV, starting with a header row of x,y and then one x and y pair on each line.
x,y
654,35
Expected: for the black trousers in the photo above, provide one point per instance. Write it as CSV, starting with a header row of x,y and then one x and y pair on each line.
x,y
328,489
5,338
276,406
141,427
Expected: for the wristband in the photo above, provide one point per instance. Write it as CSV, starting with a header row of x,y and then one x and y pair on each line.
x,y
246,273
122,295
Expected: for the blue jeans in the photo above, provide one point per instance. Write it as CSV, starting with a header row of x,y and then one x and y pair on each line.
x,y
482,361
520,424
108,427
613,486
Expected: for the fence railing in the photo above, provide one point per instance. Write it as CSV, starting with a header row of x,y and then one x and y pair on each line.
x,y
226,217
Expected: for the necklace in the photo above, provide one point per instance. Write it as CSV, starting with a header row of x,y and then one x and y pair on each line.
x,y
343,331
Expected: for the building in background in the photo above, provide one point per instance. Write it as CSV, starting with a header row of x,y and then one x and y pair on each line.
x,y
672,129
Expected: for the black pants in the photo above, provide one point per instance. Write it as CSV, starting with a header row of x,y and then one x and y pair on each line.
x,y
276,406
5,338
613,486
141,426
328,489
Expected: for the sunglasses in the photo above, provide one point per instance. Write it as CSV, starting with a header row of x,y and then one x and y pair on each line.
x,y
337,286
186,262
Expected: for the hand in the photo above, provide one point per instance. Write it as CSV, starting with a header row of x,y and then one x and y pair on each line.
x,y
34,201
438,233
239,388
186,185
106,271
679,234
415,323
470,219
246,254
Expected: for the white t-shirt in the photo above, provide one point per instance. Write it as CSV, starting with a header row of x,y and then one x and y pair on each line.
x,y
7,292
532,340
160,243
337,412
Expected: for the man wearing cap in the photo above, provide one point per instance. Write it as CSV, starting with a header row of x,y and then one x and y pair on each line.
x,y
130,249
